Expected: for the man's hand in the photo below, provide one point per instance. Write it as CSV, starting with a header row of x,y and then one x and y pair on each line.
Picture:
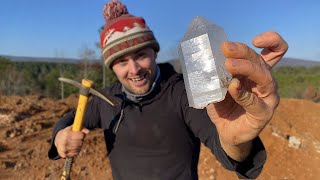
x,y
68,142
252,94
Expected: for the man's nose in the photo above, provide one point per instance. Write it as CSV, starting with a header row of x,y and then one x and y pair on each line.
x,y
134,67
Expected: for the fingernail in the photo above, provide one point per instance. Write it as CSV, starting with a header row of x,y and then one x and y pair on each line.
x,y
234,62
232,46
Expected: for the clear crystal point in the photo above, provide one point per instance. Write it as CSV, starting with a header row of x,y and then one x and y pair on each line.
x,y
202,63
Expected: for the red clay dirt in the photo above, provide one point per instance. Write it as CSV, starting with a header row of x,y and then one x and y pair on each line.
x,y
292,140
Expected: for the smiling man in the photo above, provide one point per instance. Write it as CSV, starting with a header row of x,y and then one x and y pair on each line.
x,y
154,134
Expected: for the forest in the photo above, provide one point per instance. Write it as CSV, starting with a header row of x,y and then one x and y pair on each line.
x,y
41,78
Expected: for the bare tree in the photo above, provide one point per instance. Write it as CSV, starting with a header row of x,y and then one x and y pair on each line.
x,y
14,82
103,67
60,55
86,55
102,61
103,73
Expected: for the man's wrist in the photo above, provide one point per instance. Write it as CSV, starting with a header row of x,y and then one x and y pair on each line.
x,y
238,152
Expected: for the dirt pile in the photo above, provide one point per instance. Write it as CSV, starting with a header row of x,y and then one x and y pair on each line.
x,y
292,140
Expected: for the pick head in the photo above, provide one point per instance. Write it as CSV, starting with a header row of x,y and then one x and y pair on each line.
x,y
108,98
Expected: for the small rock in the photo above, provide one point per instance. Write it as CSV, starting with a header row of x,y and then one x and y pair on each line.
x,y
294,142
14,132
277,135
9,164
18,166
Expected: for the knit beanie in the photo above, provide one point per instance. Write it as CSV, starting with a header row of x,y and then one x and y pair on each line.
x,y
123,33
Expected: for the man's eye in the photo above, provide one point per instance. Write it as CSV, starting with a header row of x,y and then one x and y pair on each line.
x,y
141,55
121,62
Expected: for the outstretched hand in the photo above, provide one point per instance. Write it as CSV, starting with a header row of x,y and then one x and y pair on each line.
x,y
252,94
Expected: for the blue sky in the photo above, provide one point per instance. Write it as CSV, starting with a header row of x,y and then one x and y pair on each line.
x,y
50,28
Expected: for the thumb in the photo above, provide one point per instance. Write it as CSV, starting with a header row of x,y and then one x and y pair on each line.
x,y
68,128
85,131
252,104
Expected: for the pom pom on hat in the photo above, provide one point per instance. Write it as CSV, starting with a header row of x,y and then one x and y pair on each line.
x,y
114,9
123,33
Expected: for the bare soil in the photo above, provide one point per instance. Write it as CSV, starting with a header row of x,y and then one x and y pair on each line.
x,y
292,140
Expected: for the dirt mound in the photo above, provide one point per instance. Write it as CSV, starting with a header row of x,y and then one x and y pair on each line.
x,y
292,140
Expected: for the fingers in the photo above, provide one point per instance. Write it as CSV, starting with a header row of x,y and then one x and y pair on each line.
x,y
85,131
257,73
244,61
237,50
69,143
274,47
255,106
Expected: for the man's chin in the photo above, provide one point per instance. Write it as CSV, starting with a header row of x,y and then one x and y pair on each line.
x,y
140,91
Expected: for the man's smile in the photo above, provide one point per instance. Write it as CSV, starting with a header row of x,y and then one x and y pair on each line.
x,y
136,79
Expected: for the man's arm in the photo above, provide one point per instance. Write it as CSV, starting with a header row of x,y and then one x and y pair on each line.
x,y
232,130
202,127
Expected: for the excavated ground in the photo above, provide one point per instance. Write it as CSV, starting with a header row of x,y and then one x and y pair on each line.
x,y
292,140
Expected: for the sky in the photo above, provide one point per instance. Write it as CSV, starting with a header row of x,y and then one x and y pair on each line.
x,y
62,28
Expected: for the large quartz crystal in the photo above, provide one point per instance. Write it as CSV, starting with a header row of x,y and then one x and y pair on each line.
x,y
202,63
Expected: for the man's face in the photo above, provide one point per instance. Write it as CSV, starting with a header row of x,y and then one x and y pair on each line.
x,y
136,71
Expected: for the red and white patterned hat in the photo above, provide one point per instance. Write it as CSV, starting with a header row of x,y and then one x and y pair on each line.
x,y
123,33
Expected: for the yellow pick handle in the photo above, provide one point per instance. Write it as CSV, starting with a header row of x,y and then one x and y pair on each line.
x,y
82,104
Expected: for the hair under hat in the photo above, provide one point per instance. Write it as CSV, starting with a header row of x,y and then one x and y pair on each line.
x,y
123,33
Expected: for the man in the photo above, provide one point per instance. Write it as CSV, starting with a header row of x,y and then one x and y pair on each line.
x,y
154,134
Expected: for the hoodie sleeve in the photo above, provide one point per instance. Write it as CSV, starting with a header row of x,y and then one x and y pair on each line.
x,y
202,127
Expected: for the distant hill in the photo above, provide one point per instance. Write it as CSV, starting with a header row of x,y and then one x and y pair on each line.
x,y
44,59
297,62
175,62
293,62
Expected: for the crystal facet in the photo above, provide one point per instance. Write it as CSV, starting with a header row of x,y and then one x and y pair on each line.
x,y
202,63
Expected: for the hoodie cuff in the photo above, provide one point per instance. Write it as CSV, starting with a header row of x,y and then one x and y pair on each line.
x,y
253,165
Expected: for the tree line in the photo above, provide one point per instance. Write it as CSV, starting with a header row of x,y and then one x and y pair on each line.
x,y
41,78
298,82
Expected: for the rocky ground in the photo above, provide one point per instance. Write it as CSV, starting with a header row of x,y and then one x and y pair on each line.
x,y
292,140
